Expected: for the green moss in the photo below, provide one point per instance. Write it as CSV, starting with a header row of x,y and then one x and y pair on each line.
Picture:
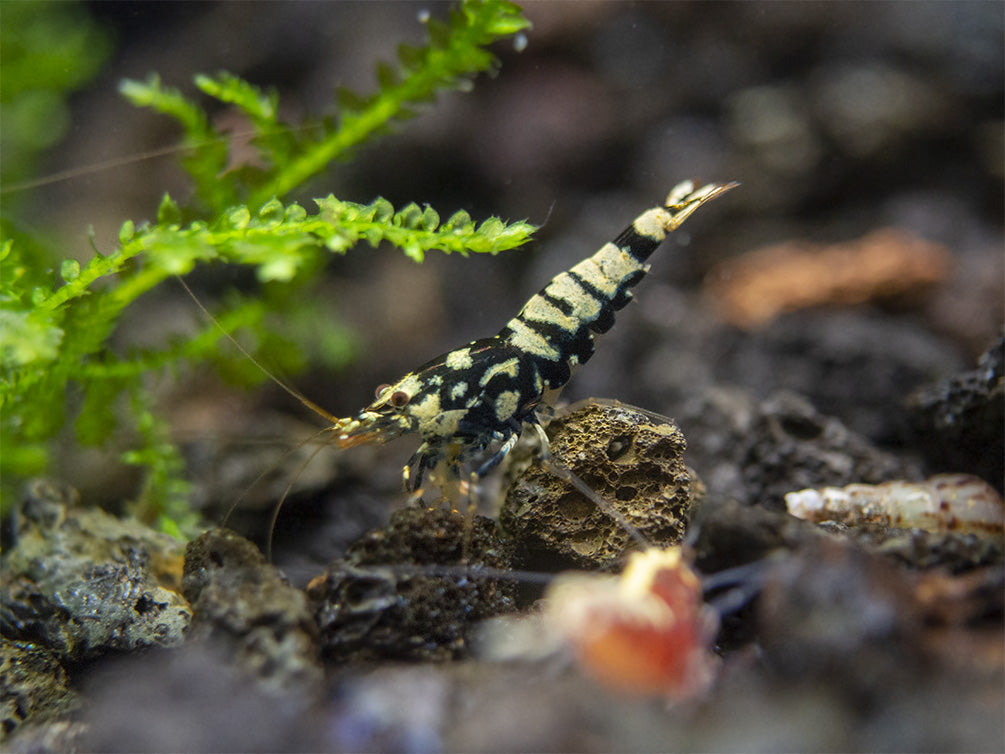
x,y
54,328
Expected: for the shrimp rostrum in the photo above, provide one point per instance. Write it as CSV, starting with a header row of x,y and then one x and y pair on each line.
x,y
469,405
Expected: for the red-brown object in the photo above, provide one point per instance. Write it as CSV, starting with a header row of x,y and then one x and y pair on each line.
x,y
754,288
646,631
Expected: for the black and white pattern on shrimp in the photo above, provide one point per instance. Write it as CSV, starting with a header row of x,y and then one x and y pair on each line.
x,y
470,405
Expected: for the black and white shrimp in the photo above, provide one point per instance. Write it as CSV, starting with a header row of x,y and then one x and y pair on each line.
x,y
470,405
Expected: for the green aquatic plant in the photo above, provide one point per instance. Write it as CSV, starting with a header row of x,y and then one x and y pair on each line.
x,y
56,366
47,51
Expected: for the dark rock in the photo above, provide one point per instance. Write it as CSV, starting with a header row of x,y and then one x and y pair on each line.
x,y
244,604
33,686
960,423
412,590
82,583
718,423
833,611
792,446
630,459
756,452
740,541
852,365
727,534
191,699
889,645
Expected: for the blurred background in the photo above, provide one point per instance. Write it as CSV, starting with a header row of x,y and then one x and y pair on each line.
x,y
860,261
840,120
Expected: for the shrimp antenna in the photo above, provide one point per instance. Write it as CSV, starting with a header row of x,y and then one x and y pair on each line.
x,y
96,167
269,469
279,505
117,162
303,400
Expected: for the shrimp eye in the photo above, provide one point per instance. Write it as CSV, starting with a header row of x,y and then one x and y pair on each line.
x,y
400,398
380,389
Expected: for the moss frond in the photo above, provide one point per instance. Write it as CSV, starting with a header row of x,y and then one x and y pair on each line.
x,y
56,367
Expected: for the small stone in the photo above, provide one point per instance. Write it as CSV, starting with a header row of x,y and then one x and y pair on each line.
x,y
244,602
82,583
412,590
630,459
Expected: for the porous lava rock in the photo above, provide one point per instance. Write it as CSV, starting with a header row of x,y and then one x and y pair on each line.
x,y
631,459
